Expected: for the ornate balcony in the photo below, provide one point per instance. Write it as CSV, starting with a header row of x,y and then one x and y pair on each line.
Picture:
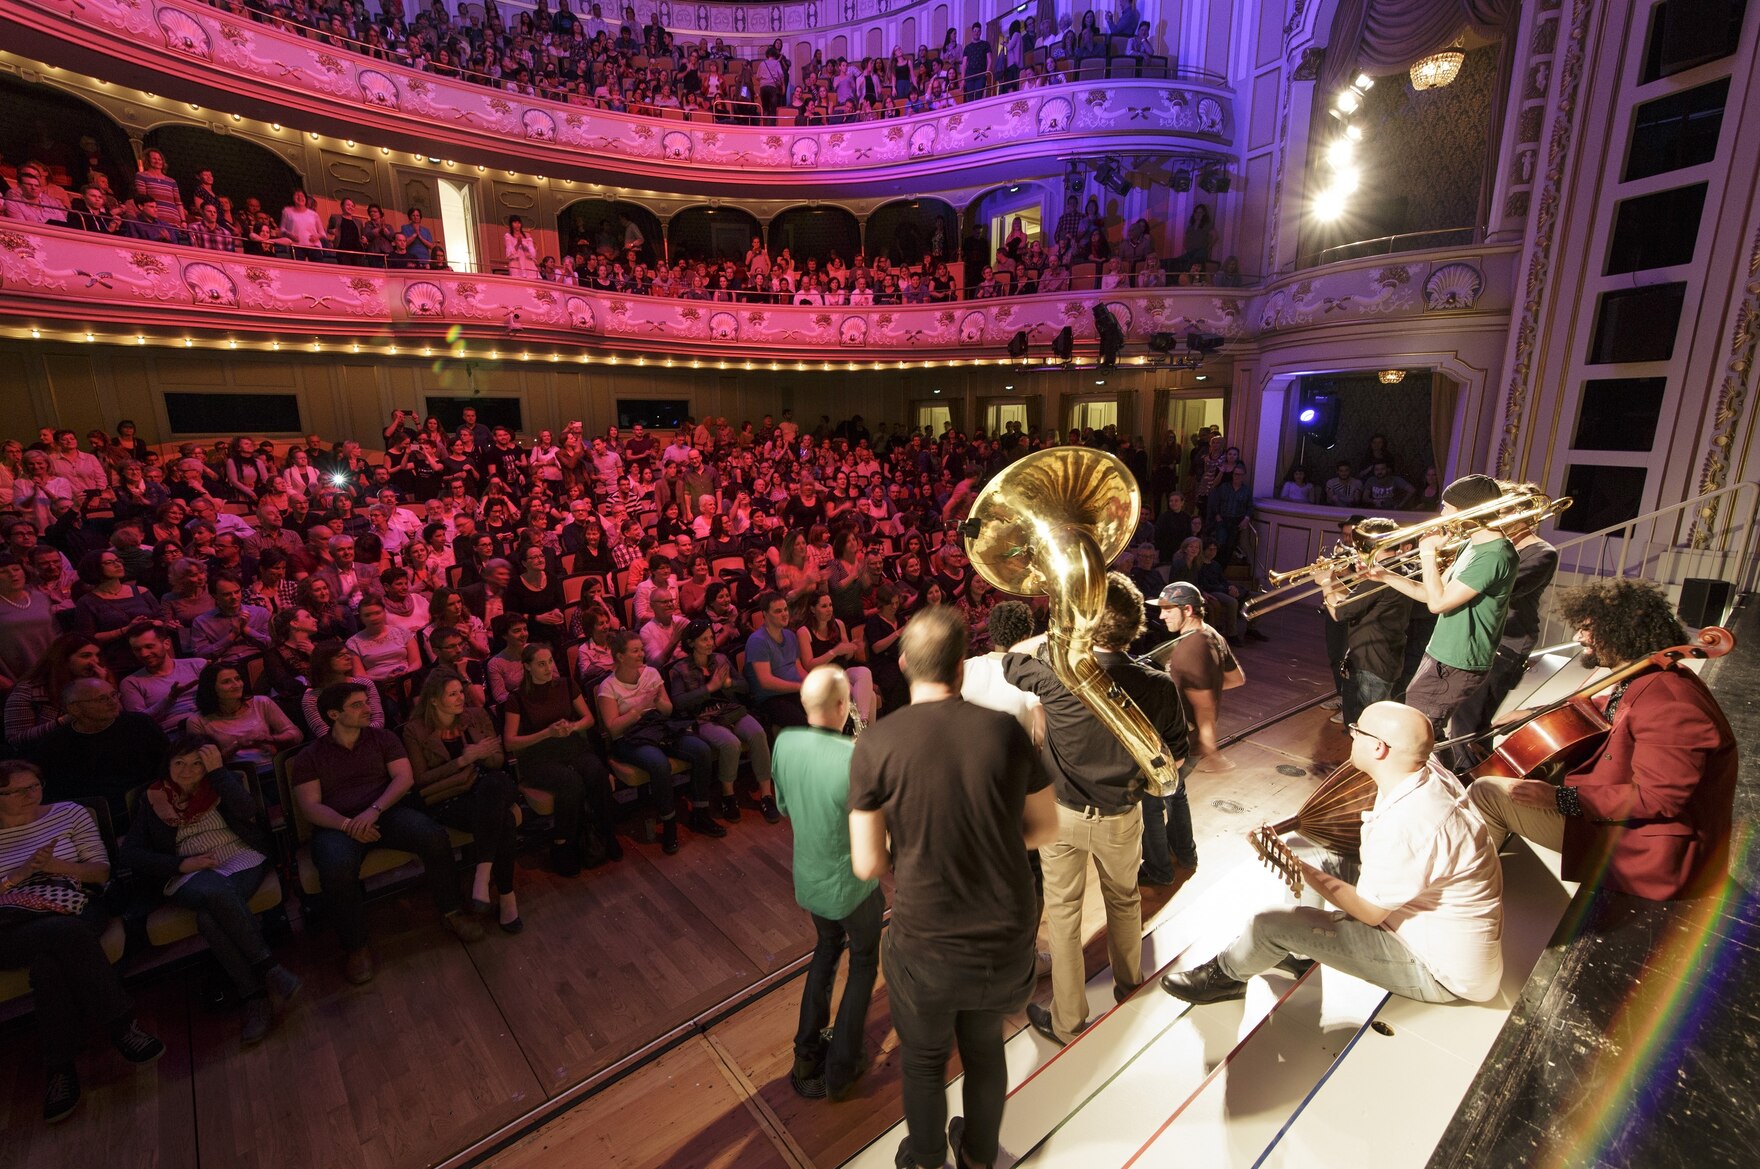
x,y
195,53
58,278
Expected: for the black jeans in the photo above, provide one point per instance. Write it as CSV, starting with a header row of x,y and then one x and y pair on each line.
x,y
782,710
573,774
486,812
1475,714
405,825
1167,836
861,928
937,1004
70,973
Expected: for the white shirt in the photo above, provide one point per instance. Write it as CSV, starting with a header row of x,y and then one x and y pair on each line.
x,y
985,686
418,618
655,637
1431,861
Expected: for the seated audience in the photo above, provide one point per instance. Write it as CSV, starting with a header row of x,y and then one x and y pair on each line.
x,y
198,836
52,862
353,786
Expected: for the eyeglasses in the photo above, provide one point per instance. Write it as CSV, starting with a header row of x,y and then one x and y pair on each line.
x,y
26,790
1354,729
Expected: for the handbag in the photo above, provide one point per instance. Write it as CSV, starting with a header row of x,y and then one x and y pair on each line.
x,y
723,714
46,893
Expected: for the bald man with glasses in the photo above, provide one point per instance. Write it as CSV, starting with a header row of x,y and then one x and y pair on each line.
x,y
1422,918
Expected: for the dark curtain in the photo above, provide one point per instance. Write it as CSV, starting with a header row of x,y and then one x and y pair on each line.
x,y
1378,36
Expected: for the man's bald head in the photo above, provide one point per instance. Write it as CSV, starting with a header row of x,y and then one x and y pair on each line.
x,y
825,696
1398,735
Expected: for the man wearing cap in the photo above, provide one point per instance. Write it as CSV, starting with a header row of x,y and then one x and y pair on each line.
x,y
1470,601
1202,666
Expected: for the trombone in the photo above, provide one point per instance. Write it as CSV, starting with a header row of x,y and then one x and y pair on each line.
x,y
1517,509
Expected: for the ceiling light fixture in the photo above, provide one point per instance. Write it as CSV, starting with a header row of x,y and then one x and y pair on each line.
x,y
1392,377
1438,69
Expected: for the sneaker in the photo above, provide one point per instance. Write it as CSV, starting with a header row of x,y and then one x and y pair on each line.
x,y
1332,704
669,836
703,824
1153,880
282,984
767,809
258,1014
1337,720
807,1079
464,927
61,1096
728,808
136,1046
358,967
956,1139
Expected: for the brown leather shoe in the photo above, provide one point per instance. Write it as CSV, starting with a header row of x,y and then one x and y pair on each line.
x,y
359,967
464,927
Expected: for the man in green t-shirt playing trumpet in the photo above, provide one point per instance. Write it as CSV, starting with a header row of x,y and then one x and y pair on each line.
x,y
1470,601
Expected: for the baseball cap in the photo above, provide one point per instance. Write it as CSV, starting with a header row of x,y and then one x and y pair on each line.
x,y
1180,592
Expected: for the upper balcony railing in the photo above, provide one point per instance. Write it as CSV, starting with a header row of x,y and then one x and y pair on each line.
x,y
58,277
193,52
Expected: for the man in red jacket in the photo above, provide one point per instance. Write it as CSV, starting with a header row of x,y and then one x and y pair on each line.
x,y
1652,809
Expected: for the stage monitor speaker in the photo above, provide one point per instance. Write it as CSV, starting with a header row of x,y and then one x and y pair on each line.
x,y
1704,601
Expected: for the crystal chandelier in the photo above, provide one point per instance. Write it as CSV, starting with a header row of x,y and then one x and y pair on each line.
x,y
1438,69
1392,377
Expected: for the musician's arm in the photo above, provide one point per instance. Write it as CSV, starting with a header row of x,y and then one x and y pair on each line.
x,y
1344,895
1673,739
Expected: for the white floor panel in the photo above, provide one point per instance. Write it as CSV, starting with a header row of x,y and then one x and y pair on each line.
x,y
1240,1110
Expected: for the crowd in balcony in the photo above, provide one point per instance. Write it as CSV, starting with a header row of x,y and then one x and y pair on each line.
x,y
469,631
625,66
1076,255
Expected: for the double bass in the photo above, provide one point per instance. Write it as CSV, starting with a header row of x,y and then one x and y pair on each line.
x,y
1553,741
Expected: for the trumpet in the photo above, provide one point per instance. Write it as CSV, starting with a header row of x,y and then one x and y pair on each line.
x,y
1515,510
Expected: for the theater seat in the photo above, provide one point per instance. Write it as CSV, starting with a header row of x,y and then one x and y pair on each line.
x,y
15,984
379,860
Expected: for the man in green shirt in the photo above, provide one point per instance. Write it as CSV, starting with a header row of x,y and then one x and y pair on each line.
x,y
811,770
1470,601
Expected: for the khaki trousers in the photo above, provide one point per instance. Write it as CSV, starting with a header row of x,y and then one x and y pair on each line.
x,y
1116,844
1490,798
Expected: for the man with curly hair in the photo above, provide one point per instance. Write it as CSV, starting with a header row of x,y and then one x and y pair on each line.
x,y
1099,787
1651,811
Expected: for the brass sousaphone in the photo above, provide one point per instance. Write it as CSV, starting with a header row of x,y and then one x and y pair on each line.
x,y
1048,525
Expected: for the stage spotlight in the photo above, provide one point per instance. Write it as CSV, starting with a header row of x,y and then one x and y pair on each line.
x,y
1182,179
1214,179
1205,343
1110,335
1164,342
1017,345
1317,416
1064,344
1110,175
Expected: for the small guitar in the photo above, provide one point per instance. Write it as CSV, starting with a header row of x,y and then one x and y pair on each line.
x,y
1277,857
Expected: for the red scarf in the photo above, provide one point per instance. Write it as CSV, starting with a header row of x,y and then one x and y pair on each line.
x,y
177,807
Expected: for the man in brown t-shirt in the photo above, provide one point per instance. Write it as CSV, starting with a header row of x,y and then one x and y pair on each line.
x,y
351,787
1202,666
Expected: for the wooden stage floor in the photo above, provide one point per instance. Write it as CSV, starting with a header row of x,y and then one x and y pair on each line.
x,y
452,1043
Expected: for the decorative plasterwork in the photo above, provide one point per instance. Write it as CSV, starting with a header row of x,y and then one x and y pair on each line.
x,y
216,49
85,278
1732,398
1543,236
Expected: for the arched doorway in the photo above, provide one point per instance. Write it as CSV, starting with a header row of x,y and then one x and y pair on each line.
x,y
589,227
816,233
718,233
69,137
904,231
242,169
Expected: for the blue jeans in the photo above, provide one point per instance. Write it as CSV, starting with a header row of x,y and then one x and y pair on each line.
x,y
223,915
1167,836
1361,691
658,764
861,929
1332,938
405,826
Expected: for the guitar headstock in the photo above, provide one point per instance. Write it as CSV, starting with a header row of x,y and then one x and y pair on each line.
x,y
1277,857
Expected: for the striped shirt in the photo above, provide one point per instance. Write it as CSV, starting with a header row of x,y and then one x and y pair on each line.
x,y
68,827
213,836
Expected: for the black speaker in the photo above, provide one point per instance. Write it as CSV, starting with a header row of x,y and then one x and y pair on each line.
x,y
1704,601
1017,345
1063,346
1111,337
